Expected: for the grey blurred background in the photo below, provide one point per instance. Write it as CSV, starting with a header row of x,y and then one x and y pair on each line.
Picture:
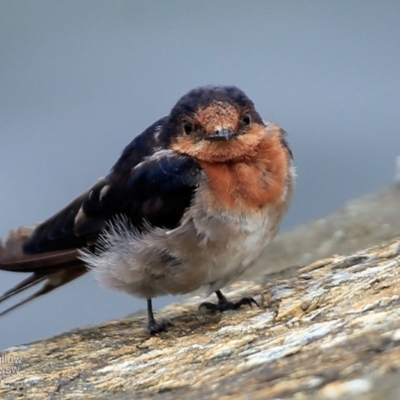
x,y
78,80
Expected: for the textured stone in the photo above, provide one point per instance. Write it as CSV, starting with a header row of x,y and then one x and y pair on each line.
x,y
329,330
363,222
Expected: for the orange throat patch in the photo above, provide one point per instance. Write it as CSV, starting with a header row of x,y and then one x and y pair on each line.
x,y
252,183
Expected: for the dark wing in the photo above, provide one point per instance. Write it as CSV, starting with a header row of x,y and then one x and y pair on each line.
x,y
156,191
148,183
69,228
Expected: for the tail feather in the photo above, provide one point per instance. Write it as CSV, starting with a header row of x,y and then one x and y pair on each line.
x,y
12,257
55,268
19,304
52,281
27,283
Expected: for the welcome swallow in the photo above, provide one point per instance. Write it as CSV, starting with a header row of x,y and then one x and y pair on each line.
x,y
192,201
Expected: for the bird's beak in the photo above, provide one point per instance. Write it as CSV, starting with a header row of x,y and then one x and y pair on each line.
x,y
221,135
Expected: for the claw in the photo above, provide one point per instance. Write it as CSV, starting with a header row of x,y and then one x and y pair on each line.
x,y
157,327
224,304
249,301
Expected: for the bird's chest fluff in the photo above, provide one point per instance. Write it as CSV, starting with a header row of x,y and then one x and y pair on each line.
x,y
229,240
219,236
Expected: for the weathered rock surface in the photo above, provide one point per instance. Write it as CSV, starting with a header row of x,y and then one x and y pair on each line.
x,y
363,222
330,330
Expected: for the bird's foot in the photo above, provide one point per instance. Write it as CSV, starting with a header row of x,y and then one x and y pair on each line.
x,y
224,304
158,327
153,326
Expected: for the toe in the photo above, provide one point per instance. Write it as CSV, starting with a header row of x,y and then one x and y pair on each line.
x,y
157,327
208,306
248,301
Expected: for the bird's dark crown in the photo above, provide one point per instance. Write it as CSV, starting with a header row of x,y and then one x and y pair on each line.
x,y
206,95
203,97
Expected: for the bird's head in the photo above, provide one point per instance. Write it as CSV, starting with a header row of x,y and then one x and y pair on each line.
x,y
215,124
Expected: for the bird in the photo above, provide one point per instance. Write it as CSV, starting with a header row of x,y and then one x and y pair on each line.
x,y
191,202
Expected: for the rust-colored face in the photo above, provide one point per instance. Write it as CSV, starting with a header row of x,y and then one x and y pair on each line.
x,y
219,132
251,183
218,116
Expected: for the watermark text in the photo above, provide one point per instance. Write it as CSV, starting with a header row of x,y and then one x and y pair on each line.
x,y
9,364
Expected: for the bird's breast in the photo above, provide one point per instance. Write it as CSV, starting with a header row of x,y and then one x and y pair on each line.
x,y
249,184
227,241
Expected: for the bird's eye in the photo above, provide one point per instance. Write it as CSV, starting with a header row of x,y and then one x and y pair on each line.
x,y
187,127
246,119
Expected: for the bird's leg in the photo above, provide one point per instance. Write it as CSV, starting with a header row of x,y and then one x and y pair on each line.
x,y
154,326
224,304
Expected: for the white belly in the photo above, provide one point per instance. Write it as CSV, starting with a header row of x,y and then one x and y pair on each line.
x,y
204,250
232,242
